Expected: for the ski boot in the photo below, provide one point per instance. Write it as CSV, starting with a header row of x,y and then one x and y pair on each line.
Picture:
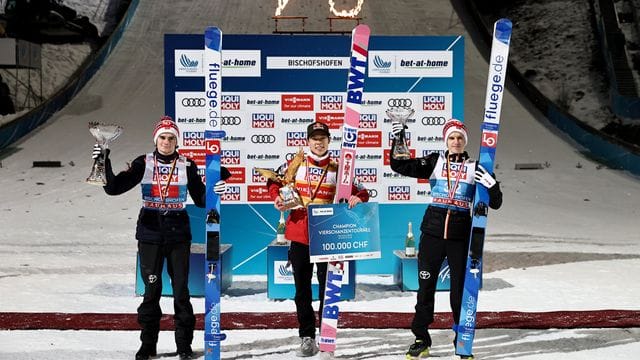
x,y
418,350
308,347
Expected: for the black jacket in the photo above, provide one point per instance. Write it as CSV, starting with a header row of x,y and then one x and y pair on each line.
x,y
433,221
157,226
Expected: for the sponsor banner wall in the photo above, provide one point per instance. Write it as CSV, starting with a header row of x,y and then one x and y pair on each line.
x,y
275,85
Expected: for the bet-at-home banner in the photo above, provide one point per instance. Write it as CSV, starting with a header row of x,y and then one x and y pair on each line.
x,y
273,86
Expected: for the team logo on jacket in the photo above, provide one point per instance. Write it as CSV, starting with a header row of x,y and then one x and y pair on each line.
x,y
455,169
433,103
230,102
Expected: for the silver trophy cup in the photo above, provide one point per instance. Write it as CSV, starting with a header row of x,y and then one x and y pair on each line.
x,y
104,134
400,114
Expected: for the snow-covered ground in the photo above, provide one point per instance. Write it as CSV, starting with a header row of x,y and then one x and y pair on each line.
x,y
565,239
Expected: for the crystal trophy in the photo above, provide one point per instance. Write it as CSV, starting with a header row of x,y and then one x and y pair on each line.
x,y
104,134
400,114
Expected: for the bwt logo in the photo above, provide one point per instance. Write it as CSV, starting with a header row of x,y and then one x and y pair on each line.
x,y
230,157
366,175
263,120
395,193
433,103
257,178
407,136
230,102
296,138
349,137
368,121
331,102
193,138
232,194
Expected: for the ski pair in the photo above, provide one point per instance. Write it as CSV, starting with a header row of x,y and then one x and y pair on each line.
x,y
355,90
465,331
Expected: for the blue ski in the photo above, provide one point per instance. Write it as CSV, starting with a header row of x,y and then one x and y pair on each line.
x,y
213,88
489,141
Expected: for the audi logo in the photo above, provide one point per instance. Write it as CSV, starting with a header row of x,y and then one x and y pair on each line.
x,y
231,120
289,156
399,102
433,120
373,193
194,102
263,139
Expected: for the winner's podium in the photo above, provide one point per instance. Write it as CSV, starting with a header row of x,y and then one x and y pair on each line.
x,y
280,283
196,272
405,273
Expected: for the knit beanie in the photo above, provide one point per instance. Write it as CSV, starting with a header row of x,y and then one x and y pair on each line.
x,y
165,125
454,125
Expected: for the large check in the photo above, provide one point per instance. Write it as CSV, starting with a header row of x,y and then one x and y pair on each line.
x,y
337,233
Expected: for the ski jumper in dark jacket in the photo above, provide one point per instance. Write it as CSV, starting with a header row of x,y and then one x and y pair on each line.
x,y
163,232
445,228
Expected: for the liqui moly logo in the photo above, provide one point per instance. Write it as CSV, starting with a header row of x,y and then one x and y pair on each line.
x,y
296,138
398,193
427,152
407,136
315,174
232,194
368,121
331,102
230,157
455,169
256,177
230,102
193,138
433,103
163,174
334,154
263,120
366,175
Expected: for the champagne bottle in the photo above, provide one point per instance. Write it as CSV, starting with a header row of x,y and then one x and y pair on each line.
x,y
410,243
280,239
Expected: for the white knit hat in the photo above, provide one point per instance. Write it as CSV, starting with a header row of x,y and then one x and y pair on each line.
x,y
454,125
165,125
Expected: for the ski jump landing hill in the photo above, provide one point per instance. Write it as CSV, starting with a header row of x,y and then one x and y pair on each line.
x,y
573,205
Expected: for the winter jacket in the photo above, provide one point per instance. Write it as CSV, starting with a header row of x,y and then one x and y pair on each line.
x,y
157,226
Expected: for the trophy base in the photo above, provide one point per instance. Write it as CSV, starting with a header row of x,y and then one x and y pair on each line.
x,y
401,156
98,182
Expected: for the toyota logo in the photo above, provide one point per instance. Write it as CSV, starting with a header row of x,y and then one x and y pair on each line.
x,y
373,193
194,102
433,120
231,120
263,139
399,102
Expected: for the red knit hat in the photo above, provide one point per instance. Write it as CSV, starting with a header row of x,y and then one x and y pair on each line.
x,y
455,125
165,125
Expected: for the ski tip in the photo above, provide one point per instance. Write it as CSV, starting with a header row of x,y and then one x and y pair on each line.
x,y
212,37
502,30
362,29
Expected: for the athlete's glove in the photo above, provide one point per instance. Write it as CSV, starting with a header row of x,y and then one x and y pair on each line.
x,y
97,152
396,128
220,187
484,178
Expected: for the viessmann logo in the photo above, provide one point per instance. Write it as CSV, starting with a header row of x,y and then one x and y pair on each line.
x,y
258,193
301,102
